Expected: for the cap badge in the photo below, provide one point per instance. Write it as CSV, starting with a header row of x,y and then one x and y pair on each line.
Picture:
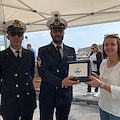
x,y
56,22
16,24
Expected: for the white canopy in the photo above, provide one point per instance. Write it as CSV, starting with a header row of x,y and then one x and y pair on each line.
x,y
35,13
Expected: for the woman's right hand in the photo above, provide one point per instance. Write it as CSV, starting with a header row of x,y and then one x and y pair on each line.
x,y
95,82
95,75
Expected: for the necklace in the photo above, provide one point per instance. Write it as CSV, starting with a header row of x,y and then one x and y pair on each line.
x,y
107,73
112,64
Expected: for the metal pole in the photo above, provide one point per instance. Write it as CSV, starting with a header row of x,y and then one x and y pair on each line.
x,y
5,41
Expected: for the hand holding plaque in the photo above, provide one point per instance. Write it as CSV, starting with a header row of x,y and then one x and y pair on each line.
x,y
67,82
80,70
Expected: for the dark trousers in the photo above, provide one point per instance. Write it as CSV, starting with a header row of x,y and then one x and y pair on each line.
x,y
29,116
46,112
89,87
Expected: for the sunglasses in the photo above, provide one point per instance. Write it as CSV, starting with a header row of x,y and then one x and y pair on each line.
x,y
114,35
19,34
92,48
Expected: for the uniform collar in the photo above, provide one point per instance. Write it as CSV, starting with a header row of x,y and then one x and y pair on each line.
x,y
14,51
55,45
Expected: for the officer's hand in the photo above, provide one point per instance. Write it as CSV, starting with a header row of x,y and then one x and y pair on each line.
x,y
67,82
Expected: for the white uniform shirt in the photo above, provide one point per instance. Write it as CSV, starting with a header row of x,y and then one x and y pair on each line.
x,y
61,49
93,65
15,53
110,102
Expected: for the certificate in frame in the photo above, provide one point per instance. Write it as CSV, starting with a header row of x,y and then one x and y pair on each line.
x,y
81,70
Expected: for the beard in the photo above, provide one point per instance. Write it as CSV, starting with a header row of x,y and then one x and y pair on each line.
x,y
57,40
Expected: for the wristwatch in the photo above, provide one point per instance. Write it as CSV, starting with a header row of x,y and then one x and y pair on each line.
x,y
102,85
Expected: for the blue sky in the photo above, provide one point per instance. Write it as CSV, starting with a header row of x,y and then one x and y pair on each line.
x,y
77,37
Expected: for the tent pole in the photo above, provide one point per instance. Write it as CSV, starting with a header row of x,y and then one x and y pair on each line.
x,y
5,41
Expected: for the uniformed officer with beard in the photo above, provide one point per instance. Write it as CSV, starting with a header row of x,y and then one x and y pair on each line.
x,y
56,87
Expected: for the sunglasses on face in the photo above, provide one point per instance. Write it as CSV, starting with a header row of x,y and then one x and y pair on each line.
x,y
113,35
13,34
92,48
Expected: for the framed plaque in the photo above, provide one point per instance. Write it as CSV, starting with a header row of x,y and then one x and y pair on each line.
x,y
81,70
